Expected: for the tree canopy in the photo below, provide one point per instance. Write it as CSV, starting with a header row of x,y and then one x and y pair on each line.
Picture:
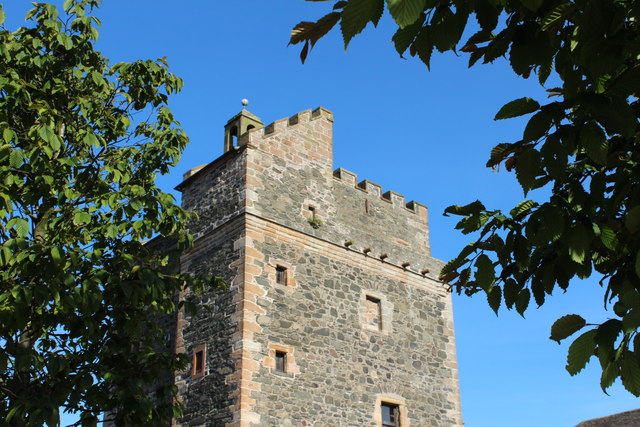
x,y
81,143
583,145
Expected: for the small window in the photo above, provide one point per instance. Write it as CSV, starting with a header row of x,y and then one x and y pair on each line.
x,y
390,414
198,361
281,275
281,361
373,312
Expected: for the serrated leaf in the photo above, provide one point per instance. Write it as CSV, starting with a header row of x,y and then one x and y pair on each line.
x,y
8,134
580,351
516,108
578,243
494,298
566,326
485,273
609,239
631,321
630,373
21,226
67,4
3,16
528,168
522,301
499,153
595,142
423,46
511,289
609,373
447,28
486,15
523,207
405,12
357,14
310,32
556,16
538,125
403,37
16,158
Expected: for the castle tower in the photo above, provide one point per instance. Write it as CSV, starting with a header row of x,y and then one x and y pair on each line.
x,y
333,315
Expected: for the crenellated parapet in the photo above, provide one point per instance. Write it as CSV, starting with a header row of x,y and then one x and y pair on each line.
x,y
371,188
282,126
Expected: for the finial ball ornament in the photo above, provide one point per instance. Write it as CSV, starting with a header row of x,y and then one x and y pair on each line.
x,y
245,102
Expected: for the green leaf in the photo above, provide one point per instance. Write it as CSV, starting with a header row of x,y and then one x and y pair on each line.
x,y
578,243
55,255
511,290
423,46
610,372
485,273
21,226
566,326
16,158
357,14
556,16
631,321
494,298
3,16
472,208
630,373
518,107
67,4
403,37
523,207
538,125
405,12
522,301
595,142
447,28
81,218
609,239
8,135
580,352
528,168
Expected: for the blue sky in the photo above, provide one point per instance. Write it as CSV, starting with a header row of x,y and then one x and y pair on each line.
x,y
423,134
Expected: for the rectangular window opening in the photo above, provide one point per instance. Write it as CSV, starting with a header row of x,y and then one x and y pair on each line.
x,y
281,275
281,361
198,363
373,312
390,414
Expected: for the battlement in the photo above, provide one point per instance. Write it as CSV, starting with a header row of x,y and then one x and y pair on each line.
x,y
255,136
373,189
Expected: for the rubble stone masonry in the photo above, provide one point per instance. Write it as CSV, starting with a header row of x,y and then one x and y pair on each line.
x,y
332,308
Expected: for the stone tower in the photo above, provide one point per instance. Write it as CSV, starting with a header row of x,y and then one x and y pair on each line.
x,y
333,315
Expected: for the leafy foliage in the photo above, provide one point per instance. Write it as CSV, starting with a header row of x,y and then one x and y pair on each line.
x,y
582,144
78,289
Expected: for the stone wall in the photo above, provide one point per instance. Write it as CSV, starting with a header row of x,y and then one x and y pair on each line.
x,y
290,171
276,203
212,398
342,367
